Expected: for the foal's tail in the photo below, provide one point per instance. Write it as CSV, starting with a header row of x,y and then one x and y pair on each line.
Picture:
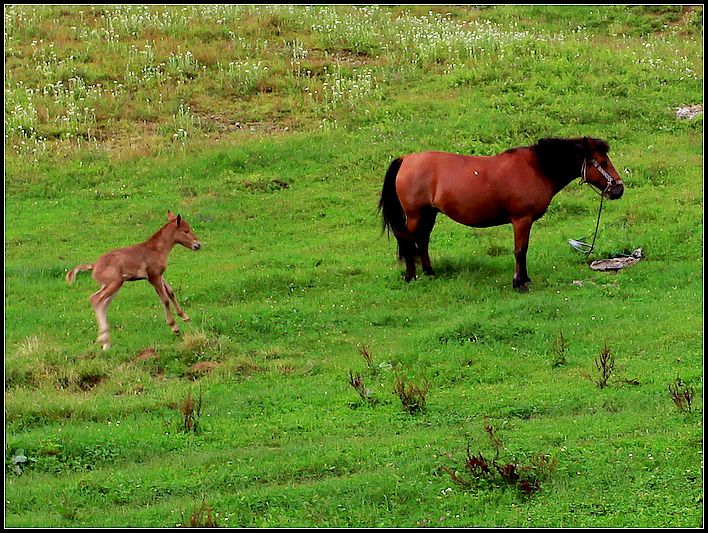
x,y
71,275
392,216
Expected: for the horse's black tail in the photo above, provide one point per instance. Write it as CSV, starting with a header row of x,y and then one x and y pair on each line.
x,y
392,216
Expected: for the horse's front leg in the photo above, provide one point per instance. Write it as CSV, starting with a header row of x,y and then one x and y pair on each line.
x,y
161,291
171,295
522,232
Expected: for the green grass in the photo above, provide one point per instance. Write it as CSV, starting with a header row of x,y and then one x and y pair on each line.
x,y
294,278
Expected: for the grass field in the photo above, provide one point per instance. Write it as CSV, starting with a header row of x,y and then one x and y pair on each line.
x,y
269,129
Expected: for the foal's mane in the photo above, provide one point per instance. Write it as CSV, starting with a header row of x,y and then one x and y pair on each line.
x,y
561,159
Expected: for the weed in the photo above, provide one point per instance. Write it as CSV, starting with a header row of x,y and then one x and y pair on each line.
x,y
605,365
358,384
558,350
201,516
19,461
191,412
66,509
413,397
366,354
682,395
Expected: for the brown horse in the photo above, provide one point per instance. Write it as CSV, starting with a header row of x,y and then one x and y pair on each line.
x,y
514,187
147,260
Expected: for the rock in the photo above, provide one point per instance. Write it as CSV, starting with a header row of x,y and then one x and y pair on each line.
x,y
617,263
689,112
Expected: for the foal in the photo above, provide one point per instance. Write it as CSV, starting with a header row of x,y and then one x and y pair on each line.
x,y
147,260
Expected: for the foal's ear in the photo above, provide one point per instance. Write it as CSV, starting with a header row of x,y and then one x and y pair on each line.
x,y
170,216
179,220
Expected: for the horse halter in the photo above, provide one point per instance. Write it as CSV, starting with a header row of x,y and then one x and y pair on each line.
x,y
580,246
602,171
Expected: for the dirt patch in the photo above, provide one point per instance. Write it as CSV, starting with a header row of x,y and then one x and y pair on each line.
x,y
202,367
147,354
89,381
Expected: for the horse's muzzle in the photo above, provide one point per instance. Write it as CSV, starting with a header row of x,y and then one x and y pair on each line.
x,y
616,191
196,245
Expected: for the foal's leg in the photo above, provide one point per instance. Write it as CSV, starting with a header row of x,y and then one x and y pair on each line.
x,y
100,301
157,282
522,232
171,295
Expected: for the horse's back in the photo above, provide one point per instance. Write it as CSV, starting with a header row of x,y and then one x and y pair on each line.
x,y
473,190
422,172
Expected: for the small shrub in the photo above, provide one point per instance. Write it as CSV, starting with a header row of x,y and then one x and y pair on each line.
x,y
682,395
527,478
412,396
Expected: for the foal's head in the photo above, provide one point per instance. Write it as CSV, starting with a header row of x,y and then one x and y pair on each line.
x,y
183,233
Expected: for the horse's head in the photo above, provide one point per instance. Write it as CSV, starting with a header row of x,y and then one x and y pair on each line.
x,y
598,170
183,233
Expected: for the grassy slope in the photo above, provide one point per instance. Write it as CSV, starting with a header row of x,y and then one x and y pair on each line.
x,y
292,282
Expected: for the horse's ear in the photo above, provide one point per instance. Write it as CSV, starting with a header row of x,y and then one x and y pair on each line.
x,y
179,220
586,147
170,216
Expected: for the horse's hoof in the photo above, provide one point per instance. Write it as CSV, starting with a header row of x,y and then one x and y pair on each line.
x,y
522,288
106,346
186,318
176,331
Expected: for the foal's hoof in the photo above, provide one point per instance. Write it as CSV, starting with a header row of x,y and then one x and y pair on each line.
x,y
186,318
106,346
176,331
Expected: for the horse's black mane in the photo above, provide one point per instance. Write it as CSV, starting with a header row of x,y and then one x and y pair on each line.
x,y
561,159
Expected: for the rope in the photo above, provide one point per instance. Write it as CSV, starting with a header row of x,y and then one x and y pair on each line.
x,y
597,225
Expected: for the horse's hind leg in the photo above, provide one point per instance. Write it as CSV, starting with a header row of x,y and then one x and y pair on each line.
x,y
100,301
407,245
407,252
414,241
171,295
422,238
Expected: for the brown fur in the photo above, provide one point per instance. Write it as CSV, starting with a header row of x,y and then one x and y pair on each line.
x,y
147,260
514,187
